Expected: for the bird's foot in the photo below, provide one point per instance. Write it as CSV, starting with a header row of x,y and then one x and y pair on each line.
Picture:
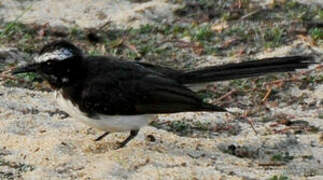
x,y
133,134
102,136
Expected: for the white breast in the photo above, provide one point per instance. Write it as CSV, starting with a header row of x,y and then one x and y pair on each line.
x,y
104,122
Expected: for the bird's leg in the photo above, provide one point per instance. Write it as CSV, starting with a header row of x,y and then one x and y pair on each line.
x,y
102,136
133,134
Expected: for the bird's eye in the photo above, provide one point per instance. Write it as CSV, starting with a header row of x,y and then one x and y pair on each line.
x,y
49,67
50,63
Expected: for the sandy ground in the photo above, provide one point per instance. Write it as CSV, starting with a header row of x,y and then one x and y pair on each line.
x,y
94,13
38,141
86,13
35,135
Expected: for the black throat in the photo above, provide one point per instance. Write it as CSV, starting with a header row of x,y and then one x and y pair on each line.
x,y
64,74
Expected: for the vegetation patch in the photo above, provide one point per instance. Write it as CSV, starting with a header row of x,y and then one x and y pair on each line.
x,y
14,170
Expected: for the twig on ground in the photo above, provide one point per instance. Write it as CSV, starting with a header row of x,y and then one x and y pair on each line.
x,y
105,24
131,47
271,164
250,14
269,89
251,122
226,95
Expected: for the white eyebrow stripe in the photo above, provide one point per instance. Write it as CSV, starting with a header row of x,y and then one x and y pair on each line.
x,y
59,54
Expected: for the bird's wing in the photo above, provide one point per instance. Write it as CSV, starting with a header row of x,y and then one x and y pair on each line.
x,y
141,92
170,73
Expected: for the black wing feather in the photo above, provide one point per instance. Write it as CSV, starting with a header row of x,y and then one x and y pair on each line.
x,y
137,90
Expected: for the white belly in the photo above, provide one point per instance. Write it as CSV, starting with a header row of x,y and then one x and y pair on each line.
x,y
113,123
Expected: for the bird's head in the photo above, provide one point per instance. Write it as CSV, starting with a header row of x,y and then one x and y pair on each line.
x,y
57,63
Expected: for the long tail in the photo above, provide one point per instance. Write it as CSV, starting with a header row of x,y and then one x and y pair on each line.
x,y
245,69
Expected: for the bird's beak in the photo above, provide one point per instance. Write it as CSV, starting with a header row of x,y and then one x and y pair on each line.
x,y
25,69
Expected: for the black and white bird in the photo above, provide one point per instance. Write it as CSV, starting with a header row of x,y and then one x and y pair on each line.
x,y
115,95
